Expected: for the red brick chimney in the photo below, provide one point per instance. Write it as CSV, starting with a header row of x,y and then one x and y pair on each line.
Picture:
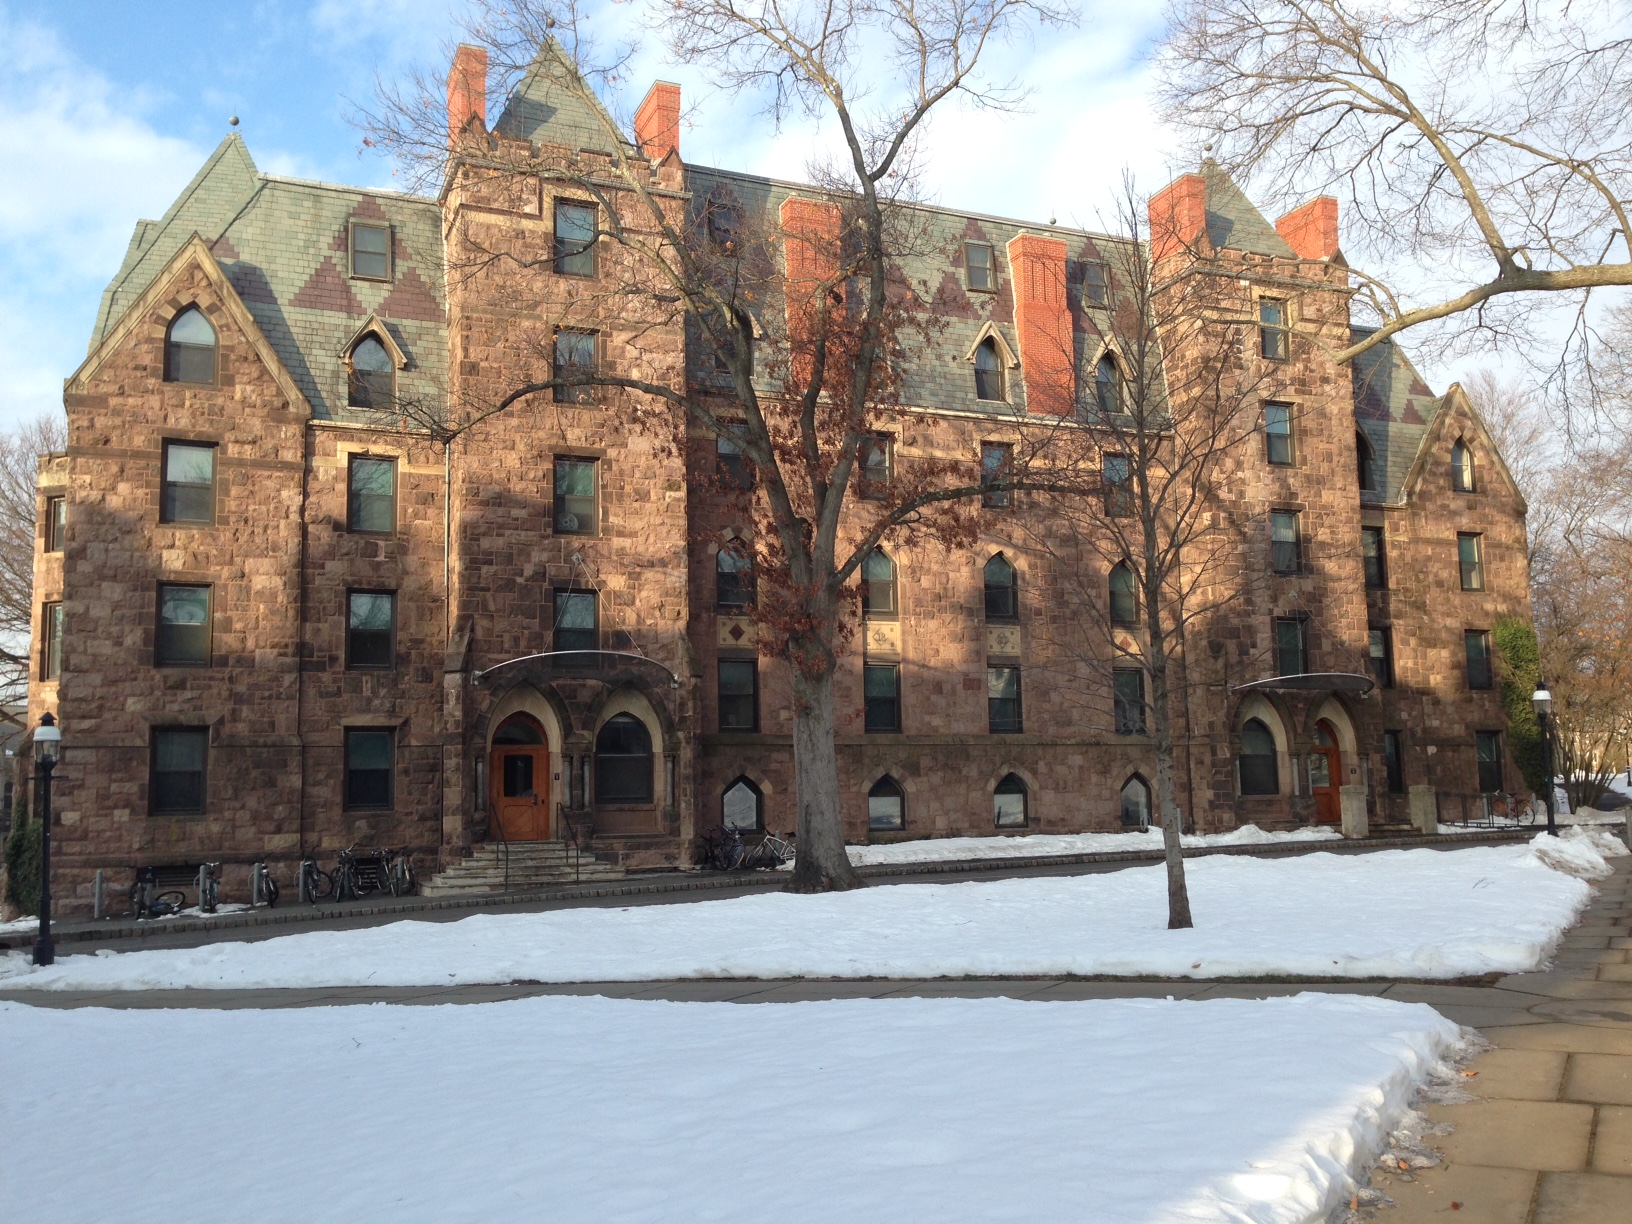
x,y
1178,217
467,90
657,122
1043,321
810,239
1311,231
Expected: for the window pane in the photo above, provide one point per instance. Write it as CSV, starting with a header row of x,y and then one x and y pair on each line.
x,y
878,585
1129,690
978,261
1290,657
56,523
370,756
988,372
575,239
740,808
875,467
183,636
1488,750
575,620
733,580
737,704
370,617
1278,433
886,806
371,496
1009,803
1107,387
1393,758
1124,596
731,466
1371,552
1284,547
1471,563
1003,712
1117,475
370,251
623,761
574,358
1002,598
189,483
1382,663
1477,645
1094,283
51,654
882,690
190,349
575,512
994,466
178,771
1272,328
1135,804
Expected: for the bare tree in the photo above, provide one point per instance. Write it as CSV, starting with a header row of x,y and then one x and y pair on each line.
x,y
20,451
1464,134
802,314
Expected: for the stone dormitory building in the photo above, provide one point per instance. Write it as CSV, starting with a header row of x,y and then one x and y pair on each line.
x,y
272,626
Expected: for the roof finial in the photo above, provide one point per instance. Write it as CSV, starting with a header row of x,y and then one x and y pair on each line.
x,y
233,121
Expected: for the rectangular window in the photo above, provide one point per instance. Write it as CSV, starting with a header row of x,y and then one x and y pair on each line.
x,y
183,637
371,629
1272,331
576,512
371,755
1003,712
730,464
51,643
996,463
371,495
575,359
739,695
1116,476
1278,434
1394,761
575,226
1128,689
56,523
176,787
1285,547
1470,556
877,463
1382,657
1487,747
977,263
1372,557
1096,284
881,685
189,482
1291,646
1476,645
575,627
370,251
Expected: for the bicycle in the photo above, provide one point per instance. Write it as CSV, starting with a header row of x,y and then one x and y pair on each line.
x,y
401,879
772,852
209,888
723,849
262,887
358,873
315,883
147,902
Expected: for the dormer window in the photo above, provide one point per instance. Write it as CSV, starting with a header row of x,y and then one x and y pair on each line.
x,y
978,269
189,350
1462,468
370,251
988,372
372,379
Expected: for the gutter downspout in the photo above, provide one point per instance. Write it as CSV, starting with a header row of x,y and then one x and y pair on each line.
x,y
307,447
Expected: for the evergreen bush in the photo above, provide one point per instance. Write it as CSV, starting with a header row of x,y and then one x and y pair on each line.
x,y
23,857
1519,656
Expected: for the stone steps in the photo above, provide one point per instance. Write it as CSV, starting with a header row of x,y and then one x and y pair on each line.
x,y
530,864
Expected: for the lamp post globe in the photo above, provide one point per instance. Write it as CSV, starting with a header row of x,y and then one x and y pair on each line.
x,y
1542,701
47,747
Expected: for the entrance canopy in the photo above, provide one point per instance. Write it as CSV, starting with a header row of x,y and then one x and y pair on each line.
x,y
584,665
1310,682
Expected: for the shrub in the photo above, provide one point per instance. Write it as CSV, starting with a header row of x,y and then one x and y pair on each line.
x,y
1520,669
23,858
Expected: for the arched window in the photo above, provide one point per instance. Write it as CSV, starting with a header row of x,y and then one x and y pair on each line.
x,y
189,349
886,805
372,382
1002,589
878,585
741,807
1462,467
1107,386
988,371
733,579
1009,803
1364,463
1135,803
1124,595
518,729
1259,775
623,761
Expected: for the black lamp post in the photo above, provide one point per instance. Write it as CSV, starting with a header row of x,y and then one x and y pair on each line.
x,y
1542,700
47,743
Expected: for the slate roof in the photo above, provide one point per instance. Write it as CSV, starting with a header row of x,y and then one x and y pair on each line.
x,y
1393,407
1232,220
283,244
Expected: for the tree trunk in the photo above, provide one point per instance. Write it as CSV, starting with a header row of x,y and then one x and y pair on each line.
x,y
822,864
1178,895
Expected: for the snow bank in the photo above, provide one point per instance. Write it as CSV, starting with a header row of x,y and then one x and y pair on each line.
x,y
946,849
590,1109
1393,913
1578,851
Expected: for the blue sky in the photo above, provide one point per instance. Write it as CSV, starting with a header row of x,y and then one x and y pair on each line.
x,y
108,107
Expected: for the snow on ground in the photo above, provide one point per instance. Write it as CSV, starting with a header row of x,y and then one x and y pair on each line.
x,y
945,849
1393,913
592,1109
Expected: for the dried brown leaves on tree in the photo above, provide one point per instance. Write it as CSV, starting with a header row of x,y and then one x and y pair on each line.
x,y
20,451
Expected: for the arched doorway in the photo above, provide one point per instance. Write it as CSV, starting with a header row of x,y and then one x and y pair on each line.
x,y
1326,774
519,766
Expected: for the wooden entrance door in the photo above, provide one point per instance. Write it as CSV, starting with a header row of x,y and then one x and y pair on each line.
x,y
519,767
1326,774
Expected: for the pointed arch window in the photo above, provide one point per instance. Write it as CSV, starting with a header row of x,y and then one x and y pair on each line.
x,y
1257,762
623,761
1462,468
878,595
886,806
372,382
733,579
1002,589
1124,595
1136,803
1010,803
988,372
190,348
1107,386
1365,463
742,807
